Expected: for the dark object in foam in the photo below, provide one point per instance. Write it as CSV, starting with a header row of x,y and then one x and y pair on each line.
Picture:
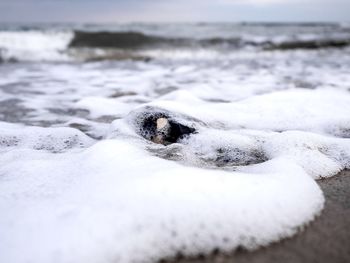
x,y
161,128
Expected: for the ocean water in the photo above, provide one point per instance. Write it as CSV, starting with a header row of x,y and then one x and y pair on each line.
x,y
251,116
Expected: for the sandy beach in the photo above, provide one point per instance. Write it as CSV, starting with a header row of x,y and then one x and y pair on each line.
x,y
327,239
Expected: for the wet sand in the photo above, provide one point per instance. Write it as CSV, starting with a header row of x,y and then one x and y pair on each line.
x,y
327,239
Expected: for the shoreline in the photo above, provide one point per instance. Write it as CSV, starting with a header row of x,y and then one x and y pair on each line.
x,y
326,239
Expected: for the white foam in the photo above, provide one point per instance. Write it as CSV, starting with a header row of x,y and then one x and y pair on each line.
x,y
115,203
320,156
50,139
99,106
295,109
34,45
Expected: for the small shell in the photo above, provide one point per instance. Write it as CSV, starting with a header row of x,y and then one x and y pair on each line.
x,y
162,123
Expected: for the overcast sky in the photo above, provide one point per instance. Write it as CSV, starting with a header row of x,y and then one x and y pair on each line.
x,y
173,10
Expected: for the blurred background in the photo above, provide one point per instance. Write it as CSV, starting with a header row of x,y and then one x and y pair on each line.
x,y
262,82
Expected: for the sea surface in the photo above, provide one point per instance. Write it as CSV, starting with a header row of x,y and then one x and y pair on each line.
x,y
140,142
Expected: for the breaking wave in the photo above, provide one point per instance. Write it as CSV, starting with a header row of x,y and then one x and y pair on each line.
x,y
34,45
140,43
134,40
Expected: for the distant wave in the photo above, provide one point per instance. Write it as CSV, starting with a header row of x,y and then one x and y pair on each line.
x,y
134,40
115,39
84,45
131,39
310,44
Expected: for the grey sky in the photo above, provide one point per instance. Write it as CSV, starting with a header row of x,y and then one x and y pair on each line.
x,y
173,10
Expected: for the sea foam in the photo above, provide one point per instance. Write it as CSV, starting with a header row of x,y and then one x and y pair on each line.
x,y
121,200
115,203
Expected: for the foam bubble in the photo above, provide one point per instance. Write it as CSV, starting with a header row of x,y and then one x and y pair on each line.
x,y
49,139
